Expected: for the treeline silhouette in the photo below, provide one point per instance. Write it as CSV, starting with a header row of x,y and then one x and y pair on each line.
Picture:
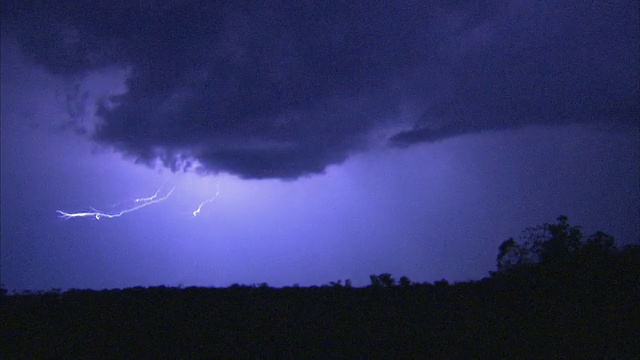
x,y
555,294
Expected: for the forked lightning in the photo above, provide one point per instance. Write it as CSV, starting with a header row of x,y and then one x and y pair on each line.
x,y
99,214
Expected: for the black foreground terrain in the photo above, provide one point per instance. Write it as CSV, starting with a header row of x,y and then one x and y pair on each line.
x,y
556,298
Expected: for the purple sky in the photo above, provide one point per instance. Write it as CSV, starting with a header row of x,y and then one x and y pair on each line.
x,y
345,140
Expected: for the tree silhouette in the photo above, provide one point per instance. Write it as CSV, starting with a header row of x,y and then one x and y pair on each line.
x,y
509,255
553,246
405,282
387,280
600,242
382,280
562,241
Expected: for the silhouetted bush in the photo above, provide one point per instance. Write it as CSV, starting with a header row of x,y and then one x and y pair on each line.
x,y
405,282
382,280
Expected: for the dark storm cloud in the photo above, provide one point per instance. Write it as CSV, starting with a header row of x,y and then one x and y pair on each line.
x,y
283,90
426,134
551,64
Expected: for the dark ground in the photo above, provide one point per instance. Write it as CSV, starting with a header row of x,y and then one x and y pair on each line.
x,y
494,318
578,300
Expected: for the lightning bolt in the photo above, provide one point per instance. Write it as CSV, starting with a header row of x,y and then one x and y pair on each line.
x,y
99,214
195,213
151,198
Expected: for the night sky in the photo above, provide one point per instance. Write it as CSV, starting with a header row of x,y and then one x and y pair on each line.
x,y
334,139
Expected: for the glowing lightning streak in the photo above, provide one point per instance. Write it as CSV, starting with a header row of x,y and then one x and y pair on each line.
x,y
98,214
150,198
195,213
